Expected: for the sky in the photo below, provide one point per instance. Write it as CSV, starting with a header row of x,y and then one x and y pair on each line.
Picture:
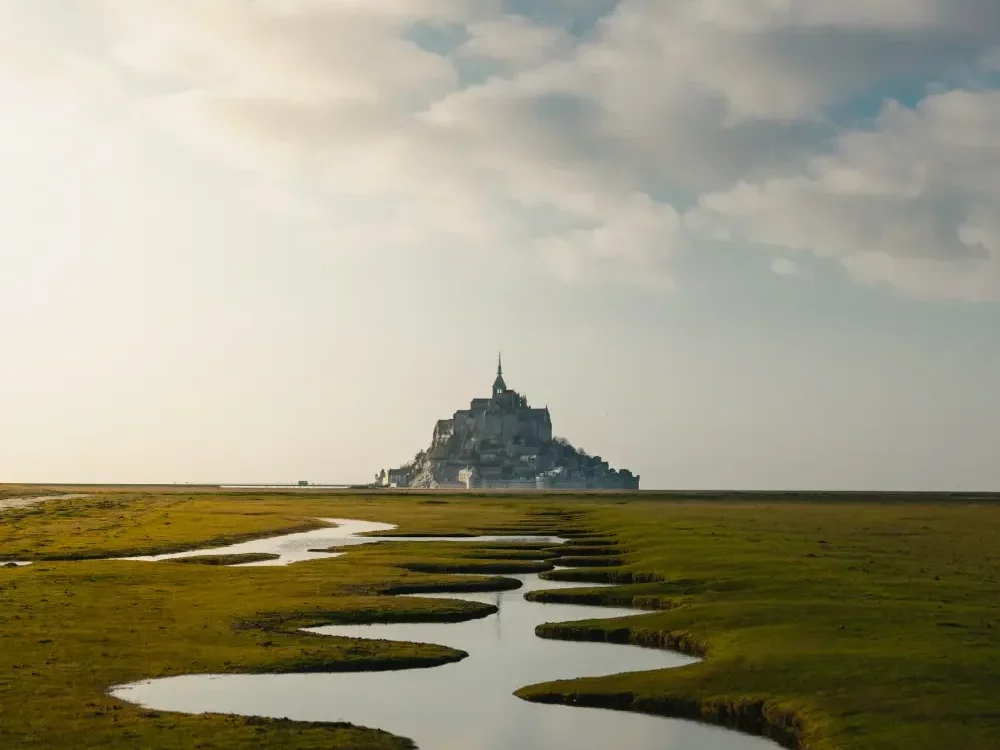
x,y
749,244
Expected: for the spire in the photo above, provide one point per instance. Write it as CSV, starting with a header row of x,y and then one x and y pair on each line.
x,y
499,387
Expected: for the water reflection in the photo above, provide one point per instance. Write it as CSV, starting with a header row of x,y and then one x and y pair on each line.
x,y
463,706
305,545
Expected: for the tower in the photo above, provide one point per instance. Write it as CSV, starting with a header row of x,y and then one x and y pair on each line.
x,y
499,387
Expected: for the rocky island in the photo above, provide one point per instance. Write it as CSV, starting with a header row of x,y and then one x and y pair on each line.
x,y
501,442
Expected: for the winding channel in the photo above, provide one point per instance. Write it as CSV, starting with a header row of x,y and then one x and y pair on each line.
x,y
466,705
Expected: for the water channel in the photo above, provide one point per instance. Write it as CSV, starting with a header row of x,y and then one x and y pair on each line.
x,y
311,545
467,705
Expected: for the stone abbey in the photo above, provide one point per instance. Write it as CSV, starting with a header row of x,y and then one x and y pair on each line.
x,y
501,442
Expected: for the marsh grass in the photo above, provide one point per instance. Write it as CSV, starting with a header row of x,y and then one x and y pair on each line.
x,y
105,524
69,630
236,559
479,566
8,491
829,624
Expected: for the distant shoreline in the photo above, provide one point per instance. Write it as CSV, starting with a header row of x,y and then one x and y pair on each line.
x,y
885,496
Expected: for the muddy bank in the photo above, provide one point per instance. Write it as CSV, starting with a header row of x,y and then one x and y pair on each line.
x,y
759,718
13,503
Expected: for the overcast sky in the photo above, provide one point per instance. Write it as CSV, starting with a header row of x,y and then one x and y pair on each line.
x,y
729,243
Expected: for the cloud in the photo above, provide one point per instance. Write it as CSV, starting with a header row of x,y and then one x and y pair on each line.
x,y
913,202
516,41
789,60
479,165
786,267
605,137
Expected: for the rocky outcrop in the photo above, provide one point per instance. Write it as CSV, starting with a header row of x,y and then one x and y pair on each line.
x,y
503,443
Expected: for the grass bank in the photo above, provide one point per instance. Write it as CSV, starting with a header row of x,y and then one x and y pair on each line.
x,y
71,629
830,624
825,625
236,559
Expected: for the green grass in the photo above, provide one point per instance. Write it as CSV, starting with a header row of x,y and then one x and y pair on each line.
x,y
69,630
831,624
111,524
237,559
479,566
9,491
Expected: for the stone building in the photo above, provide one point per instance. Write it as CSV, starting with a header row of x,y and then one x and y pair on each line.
x,y
501,442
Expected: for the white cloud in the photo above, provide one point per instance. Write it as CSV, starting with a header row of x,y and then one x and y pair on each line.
x,y
784,60
309,53
580,150
516,41
913,202
786,267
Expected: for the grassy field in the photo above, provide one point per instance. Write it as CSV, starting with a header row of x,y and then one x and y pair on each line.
x,y
113,524
827,624
846,626
71,629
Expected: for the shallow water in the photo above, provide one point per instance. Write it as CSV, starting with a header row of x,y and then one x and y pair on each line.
x,y
467,705
304,545
10,503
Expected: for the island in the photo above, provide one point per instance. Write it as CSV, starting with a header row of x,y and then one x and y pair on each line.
x,y
501,442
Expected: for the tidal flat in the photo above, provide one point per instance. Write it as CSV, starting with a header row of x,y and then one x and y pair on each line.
x,y
827,622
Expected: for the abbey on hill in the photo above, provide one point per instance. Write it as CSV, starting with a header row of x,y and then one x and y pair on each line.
x,y
502,443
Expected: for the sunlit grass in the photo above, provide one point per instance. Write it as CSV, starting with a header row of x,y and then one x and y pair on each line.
x,y
869,625
853,625
71,630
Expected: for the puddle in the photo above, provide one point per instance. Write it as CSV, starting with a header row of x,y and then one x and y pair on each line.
x,y
467,705
10,503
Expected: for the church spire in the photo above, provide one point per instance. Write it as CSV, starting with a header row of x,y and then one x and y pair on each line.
x,y
499,387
